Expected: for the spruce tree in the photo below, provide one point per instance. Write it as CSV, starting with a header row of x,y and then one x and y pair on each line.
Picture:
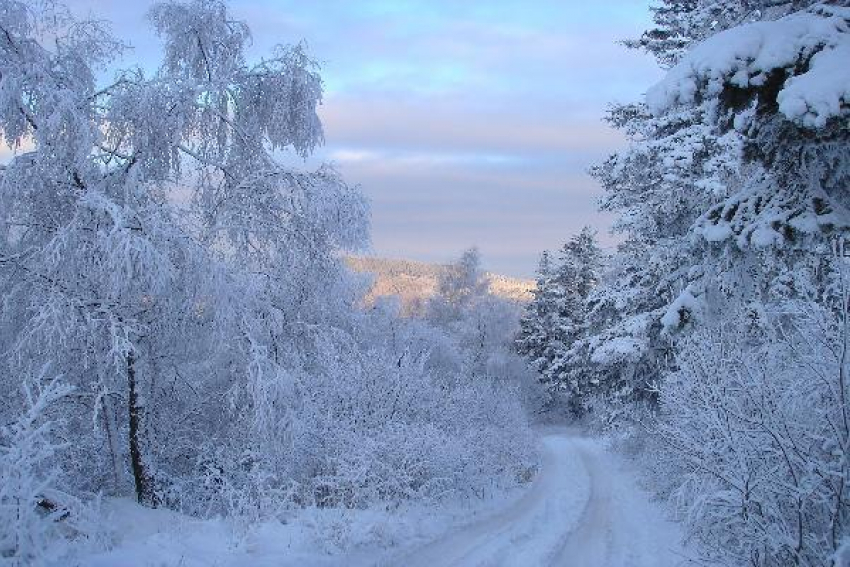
x,y
553,330
537,324
720,192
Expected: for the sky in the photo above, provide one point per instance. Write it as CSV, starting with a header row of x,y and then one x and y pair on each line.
x,y
465,123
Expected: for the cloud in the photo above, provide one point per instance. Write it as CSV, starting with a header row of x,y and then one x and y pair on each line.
x,y
433,211
417,159
447,124
464,122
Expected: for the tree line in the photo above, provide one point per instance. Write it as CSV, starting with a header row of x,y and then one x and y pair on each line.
x,y
176,320
717,333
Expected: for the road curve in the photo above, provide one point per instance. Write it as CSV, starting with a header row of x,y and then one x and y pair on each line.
x,y
583,510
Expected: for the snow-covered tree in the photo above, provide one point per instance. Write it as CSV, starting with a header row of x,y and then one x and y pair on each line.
x,y
578,272
539,321
190,288
682,23
479,329
676,167
553,330
787,96
719,193
724,303
752,436
143,210
458,286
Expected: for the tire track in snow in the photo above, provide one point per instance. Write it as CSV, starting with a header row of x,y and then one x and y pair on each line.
x,y
588,544
554,499
581,511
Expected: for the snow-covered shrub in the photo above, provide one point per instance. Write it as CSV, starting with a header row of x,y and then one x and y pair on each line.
x,y
482,328
37,518
379,412
752,437
188,285
376,425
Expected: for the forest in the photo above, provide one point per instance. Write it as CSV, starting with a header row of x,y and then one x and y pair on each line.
x,y
185,347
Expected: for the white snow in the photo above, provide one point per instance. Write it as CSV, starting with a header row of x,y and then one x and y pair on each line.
x,y
686,301
332,537
715,232
583,508
142,537
819,93
742,56
619,349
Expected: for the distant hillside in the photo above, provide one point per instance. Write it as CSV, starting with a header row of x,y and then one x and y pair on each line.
x,y
414,282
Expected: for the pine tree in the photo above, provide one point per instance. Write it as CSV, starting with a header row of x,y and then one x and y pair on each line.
x,y
555,323
694,192
680,24
577,275
539,320
722,304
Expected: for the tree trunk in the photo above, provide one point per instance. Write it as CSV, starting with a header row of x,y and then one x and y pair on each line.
x,y
112,441
144,484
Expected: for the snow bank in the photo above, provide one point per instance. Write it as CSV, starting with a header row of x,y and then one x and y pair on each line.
x,y
745,55
143,537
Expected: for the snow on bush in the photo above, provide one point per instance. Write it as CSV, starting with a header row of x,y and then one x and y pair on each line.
x,y
38,519
371,429
188,285
752,438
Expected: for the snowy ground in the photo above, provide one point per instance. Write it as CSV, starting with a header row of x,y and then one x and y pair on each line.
x,y
583,510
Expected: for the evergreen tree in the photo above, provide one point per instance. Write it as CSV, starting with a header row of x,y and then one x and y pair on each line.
x,y
710,192
726,302
539,319
555,322
680,24
577,275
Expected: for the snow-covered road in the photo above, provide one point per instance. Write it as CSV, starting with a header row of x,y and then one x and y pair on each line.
x,y
583,510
